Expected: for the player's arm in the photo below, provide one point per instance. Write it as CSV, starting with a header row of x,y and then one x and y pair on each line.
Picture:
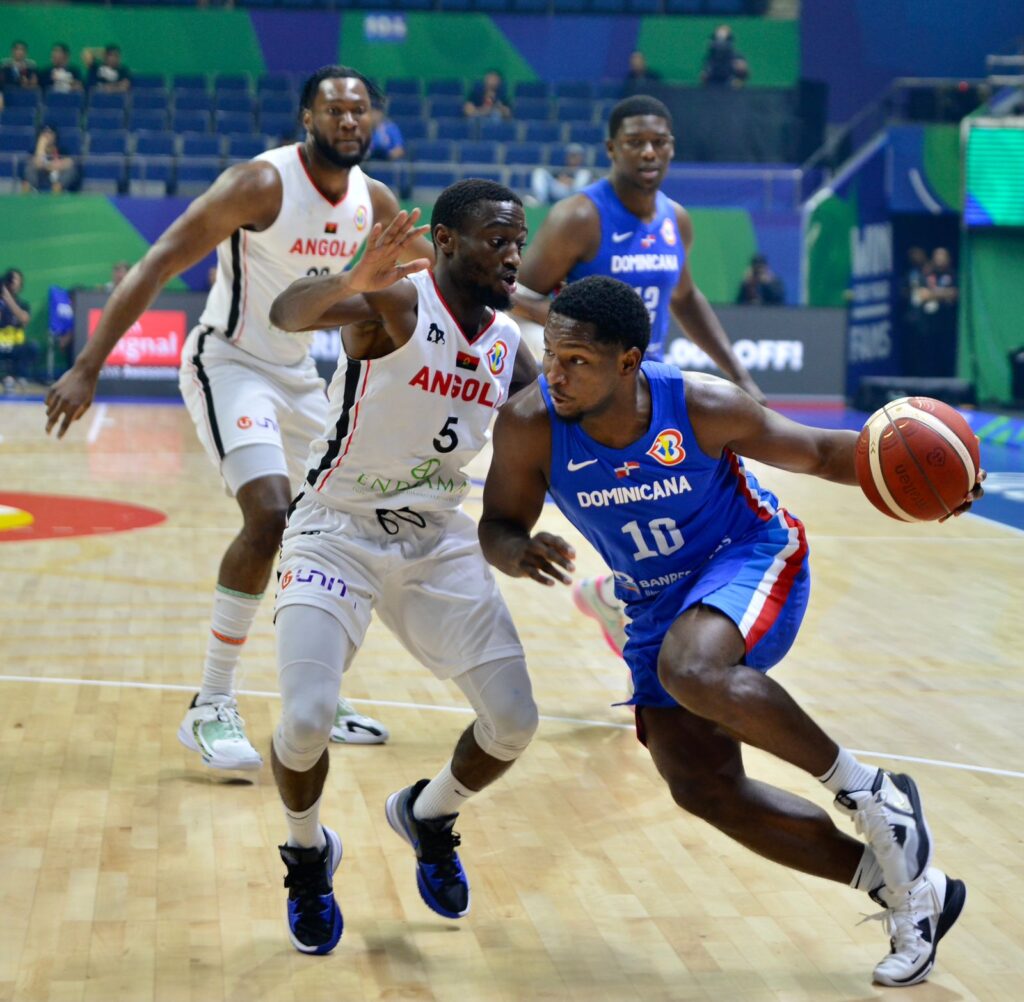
x,y
514,495
690,307
352,296
247,195
570,234
726,417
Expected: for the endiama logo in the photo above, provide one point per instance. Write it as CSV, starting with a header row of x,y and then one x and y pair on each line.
x,y
668,448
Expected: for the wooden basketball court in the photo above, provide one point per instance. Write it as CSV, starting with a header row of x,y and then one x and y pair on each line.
x,y
131,872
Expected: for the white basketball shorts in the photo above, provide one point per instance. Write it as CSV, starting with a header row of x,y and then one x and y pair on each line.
x,y
423,573
236,399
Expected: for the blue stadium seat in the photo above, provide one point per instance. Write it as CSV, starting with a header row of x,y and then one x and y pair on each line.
x,y
147,81
608,6
411,128
155,144
105,143
192,100
434,177
189,81
454,128
575,111
282,125
21,97
725,7
487,173
107,100
17,139
195,176
533,109
499,132
234,121
149,176
446,107
190,121
480,152
524,153
436,151
643,6
104,174
570,6
608,90
231,81
493,6
200,145
414,4
72,99
62,118
532,88
601,158
234,100
279,83
530,6
150,100
385,172
69,142
519,179
405,106
542,132
245,147
455,5
153,120
587,134
683,6
105,118
580,90
557,155
10,173
20,117
408,86
278,103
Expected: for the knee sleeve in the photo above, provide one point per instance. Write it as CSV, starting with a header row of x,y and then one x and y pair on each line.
x,y
311,650
502,696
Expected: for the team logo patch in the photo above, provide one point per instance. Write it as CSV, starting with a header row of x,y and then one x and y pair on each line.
x,y
286,580
244,423
626,468
668,233
360,218
330,227
648,241
463,360
668,448
625,581
496,357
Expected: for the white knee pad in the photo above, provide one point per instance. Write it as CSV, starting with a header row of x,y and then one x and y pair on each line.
x,y
502,696
311,650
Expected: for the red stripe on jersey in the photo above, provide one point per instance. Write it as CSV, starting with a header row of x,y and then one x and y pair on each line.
x,y
352,431
782,585
743,489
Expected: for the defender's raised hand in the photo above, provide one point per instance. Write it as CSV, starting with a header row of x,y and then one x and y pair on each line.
x,y
378,268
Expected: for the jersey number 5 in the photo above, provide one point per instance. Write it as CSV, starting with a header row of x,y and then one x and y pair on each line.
x,y
447,440
667,538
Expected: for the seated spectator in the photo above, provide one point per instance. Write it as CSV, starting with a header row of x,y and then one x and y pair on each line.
x,y
639,75
18,70
60,76
760,285
723,65
549,185
47,167
117,272
386,143
17,353
488,98
109,74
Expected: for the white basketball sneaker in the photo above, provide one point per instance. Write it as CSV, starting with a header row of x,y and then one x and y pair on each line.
x,y
916,919
891,819
353,728
217,732
610,617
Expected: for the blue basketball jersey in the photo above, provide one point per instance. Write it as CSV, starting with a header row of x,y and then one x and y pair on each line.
x,y
648,256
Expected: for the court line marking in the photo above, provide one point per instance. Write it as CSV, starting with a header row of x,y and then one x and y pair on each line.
x,y
99,419
465,710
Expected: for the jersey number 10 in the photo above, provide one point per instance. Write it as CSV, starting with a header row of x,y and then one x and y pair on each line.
x,y
667,538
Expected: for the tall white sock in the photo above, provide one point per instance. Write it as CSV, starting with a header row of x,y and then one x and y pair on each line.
x,y
848,774
233,613
304,828
442,796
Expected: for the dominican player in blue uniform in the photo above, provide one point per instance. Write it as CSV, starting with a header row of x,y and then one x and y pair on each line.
x,y
625,227
645,461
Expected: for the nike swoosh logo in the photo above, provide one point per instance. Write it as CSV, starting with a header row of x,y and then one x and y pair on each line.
x,y
574,466
617,238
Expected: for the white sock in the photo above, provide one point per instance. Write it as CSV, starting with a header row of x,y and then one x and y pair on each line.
x,y
869,874
442,796
847,774
606,590
304,828
233,613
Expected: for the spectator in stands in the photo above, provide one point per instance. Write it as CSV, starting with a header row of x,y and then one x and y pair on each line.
x,y
117,272
939,296
760,285
47,166
387,142
109,74
60,77
639,75
17,353
488,98
723,65
549,185
18,70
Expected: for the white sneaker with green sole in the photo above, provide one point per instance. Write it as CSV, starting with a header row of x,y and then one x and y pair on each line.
x,y
217,732
353,728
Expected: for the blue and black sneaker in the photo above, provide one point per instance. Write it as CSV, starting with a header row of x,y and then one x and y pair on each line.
x,y
439,874
314,918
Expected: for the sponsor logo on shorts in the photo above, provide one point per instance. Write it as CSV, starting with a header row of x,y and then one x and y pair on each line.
x,y
668,448
314,577
496,357
287,579
245,423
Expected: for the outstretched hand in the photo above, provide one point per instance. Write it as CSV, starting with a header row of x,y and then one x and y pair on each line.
x,y
69,398
544,557
378,268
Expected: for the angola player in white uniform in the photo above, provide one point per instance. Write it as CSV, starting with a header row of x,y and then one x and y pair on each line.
x,y
379,526
252,390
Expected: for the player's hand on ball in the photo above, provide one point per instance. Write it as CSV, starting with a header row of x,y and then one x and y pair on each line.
x,y
977,493
379,268
545,557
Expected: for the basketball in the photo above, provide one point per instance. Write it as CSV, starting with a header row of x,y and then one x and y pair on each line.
x,y
917,459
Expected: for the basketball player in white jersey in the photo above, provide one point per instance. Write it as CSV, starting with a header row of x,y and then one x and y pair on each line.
x,y
379,526
252,390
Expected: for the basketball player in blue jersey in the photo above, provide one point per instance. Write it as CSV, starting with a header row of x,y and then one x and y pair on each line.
x,y
645,461
252,390
624,226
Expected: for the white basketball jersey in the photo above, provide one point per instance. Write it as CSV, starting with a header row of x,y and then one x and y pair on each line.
x,y
311,236
401,429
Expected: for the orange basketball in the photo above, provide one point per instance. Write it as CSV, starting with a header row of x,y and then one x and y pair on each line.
x,y
917,459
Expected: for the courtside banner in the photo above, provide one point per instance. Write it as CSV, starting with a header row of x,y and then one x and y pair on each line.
x,y
156,338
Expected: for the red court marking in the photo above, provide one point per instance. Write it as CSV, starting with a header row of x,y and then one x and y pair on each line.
x,y
58,516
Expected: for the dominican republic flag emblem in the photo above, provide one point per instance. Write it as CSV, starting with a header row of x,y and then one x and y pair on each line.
x,y
648,241
330,227
626,468
463,360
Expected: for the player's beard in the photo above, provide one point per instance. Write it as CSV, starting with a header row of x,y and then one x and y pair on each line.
x,y
330,154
